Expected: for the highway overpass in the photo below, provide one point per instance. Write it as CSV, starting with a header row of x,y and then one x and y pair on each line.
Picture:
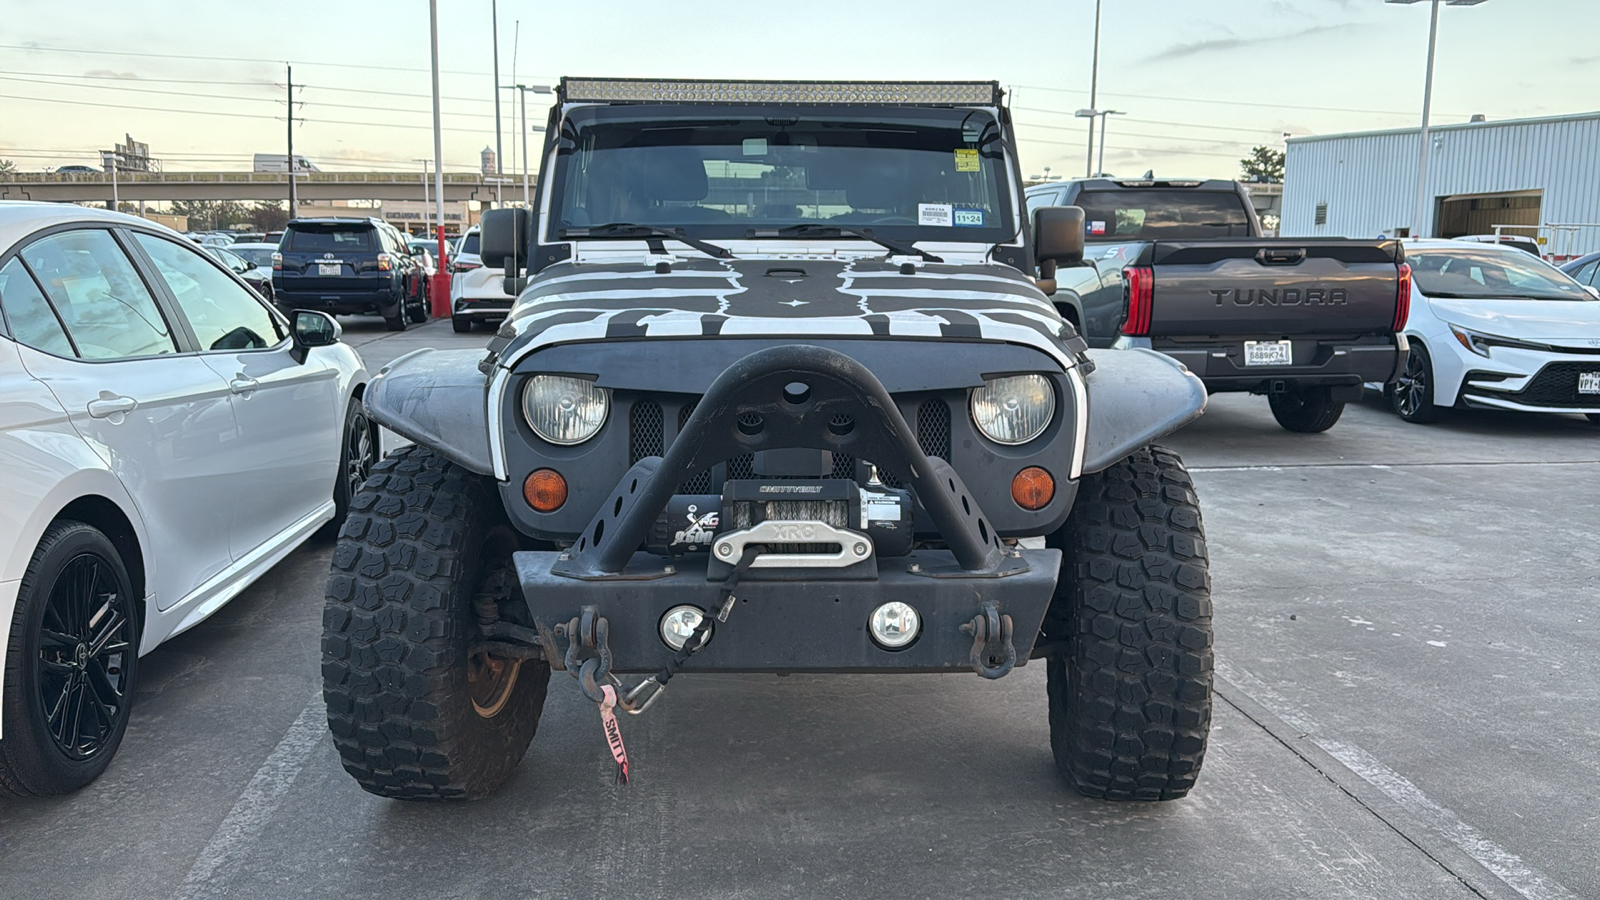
x,y
169,186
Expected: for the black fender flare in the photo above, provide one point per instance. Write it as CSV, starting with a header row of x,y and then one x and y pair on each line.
x,y
1136,396
439,399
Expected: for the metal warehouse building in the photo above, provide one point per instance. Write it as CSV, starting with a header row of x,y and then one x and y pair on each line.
x,y
1539,174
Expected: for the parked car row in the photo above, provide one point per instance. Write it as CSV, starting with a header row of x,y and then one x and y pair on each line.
x,y
166,436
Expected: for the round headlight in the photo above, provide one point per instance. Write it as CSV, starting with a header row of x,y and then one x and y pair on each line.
x,y
1014,409
564,410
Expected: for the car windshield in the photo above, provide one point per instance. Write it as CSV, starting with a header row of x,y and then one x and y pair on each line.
x,y
720,172
1485,274
1162,214
256,256
330,238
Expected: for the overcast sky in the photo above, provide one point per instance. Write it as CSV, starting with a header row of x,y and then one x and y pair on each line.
x,y
1201,80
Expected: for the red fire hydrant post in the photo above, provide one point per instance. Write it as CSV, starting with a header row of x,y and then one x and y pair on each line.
x,y
439,289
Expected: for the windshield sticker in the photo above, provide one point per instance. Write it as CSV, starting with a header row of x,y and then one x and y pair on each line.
x,y
968,218
935,214
1097,227
966,159
755,146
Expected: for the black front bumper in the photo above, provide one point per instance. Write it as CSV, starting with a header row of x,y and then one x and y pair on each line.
x,y
809,625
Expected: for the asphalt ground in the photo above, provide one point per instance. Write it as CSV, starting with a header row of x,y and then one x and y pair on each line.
x,y
1407,683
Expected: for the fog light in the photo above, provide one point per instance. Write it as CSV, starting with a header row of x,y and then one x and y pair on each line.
x,y
678,625
895,624
1033,488
545,490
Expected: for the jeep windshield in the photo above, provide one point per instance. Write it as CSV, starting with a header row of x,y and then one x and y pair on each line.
x,y
739,172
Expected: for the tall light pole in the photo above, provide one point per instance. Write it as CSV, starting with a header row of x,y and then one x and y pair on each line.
x,y
1091,114
1100,167
1427,103
440,289
294,196
424,160
1094,89
499,153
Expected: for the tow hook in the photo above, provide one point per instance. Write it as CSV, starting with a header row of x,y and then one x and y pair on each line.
x,y
589,635
993,655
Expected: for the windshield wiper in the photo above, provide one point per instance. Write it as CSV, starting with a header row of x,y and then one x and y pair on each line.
x,y
624,229
818,230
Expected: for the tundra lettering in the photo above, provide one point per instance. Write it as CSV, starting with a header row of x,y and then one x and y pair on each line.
x,y
1289,296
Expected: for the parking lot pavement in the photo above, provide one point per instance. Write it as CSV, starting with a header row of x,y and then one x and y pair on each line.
x,y
1405,627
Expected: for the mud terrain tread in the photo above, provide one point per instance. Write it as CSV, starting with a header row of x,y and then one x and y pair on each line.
x,y
396,630
1130,702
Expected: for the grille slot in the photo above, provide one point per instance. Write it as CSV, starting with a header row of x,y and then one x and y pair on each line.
x,y
933,428
1557,385
699,482
645,435
844,466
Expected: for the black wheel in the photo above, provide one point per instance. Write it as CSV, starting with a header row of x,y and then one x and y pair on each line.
x,y
358,453
1130,673
417,709
1594,418
397,322
70,664
419,308
460,324
1307,410
1411,394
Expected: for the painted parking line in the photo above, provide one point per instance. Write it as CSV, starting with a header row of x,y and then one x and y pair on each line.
x,y
257,803
1504,865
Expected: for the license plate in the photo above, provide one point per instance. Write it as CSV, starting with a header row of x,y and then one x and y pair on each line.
x,y
1268,353
1589,382
329,268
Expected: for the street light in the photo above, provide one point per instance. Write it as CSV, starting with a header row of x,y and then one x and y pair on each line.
x,y
1091,115
524,90
1427,102
1094,86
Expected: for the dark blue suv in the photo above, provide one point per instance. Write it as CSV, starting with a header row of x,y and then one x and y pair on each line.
x,y
349,266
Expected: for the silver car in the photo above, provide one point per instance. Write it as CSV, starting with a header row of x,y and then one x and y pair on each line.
x,y
166,437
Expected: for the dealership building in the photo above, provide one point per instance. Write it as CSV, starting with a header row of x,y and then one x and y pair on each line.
x,y
1536,177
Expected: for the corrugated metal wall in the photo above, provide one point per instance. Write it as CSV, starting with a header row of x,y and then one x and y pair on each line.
x,y
1368,181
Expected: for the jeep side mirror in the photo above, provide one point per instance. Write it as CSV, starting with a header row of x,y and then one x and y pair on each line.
x,y
1057,241
503,239
310,328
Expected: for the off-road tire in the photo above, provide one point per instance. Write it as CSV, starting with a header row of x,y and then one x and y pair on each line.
x,y
460,324
1130,677
423,537
1306,410
1411,395
32,762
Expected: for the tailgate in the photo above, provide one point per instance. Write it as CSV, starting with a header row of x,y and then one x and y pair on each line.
x,y
1284,286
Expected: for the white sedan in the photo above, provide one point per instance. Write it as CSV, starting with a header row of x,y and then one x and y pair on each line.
x,y
1493,327
165,438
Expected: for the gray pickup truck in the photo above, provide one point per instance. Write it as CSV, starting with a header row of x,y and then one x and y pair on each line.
x,y
1181,267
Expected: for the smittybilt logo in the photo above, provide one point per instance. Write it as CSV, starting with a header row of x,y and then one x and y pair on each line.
x,y
1282,296
790,489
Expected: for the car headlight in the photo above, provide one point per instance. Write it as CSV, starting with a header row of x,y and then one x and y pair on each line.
x,y
1480,343
564,410
1014,409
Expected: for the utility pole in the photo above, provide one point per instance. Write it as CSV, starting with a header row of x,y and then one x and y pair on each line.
x,y
1427,103
116,204
524,93
1094,88
294,196
441,278
499,153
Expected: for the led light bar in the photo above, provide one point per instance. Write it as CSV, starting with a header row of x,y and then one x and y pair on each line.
x,y
906,93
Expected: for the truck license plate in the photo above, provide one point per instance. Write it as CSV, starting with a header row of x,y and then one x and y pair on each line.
x,y
1268,353
1589,382
329,268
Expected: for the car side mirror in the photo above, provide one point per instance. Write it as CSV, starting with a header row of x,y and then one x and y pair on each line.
x,y
1057,241
1593,291
503,239
310,328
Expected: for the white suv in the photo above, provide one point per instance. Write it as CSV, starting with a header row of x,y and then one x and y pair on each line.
x,y
165,438
477,293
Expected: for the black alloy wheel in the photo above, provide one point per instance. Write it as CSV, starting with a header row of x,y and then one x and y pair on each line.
x,y
418,311
358,453
1411,395
70,665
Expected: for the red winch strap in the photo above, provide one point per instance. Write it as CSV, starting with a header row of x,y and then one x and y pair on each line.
x,y
608,721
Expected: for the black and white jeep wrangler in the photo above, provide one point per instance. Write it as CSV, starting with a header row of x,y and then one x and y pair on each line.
x,y
784,390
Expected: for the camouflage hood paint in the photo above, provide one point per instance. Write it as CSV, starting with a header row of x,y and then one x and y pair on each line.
x,y
783,298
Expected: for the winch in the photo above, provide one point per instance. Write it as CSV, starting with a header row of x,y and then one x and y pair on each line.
x,y
801,516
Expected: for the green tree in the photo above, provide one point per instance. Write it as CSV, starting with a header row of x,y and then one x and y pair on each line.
x,y
269,215
7,165
1264,162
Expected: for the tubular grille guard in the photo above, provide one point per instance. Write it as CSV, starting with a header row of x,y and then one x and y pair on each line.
x,y
753,389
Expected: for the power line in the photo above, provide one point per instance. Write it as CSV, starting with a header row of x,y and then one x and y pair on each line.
x,y
258,83
1166,137
196,112
1062,112
274,62
320,103
1301,107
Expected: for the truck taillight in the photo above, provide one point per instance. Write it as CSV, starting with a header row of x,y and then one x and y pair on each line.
x,y
277,262
1402,298
385,262
464,267
1138,292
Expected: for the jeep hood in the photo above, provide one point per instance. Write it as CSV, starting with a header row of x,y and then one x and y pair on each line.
x,y
785,298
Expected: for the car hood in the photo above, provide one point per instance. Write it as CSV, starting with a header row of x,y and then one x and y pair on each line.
x,y
1560,322
783,298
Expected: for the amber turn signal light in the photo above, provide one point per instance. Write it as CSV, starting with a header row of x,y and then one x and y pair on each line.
x,y
1033,488
545,490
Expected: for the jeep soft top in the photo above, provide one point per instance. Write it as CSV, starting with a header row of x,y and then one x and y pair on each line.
x,y
780,393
